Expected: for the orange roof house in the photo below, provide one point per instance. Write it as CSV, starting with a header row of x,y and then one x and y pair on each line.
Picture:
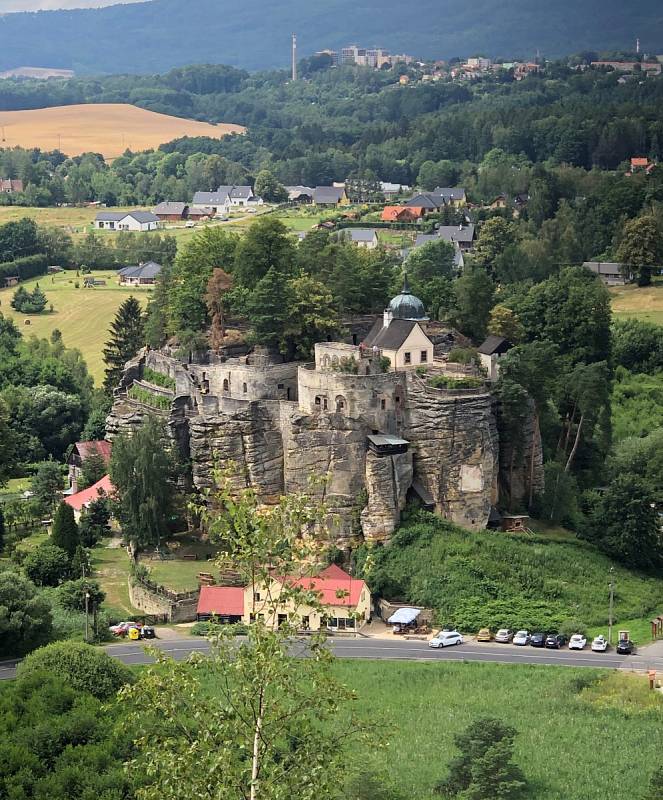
x,y
82,500
401,213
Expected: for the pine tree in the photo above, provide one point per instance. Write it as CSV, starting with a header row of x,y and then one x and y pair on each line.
x,y
65,529
127,337
269,309
2,530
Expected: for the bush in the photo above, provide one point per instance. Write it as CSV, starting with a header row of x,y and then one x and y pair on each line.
x,y
71,595
463,355
158,378
148,398
85,668
205,628
444,382
26,267
47,565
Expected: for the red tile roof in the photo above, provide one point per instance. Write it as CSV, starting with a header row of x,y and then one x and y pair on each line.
x,y
336,587
640,162
221,600
83,499
86,449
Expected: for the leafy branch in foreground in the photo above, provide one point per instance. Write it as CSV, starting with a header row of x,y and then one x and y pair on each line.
x,y
255,719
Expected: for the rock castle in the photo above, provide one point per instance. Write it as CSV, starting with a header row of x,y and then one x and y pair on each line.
x,y
367,416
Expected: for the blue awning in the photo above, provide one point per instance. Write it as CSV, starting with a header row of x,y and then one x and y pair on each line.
x,y
404,616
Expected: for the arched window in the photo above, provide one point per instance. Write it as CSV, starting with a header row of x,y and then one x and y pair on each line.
x,y
244,388
318,400
226,385
383,404
341,404
326,361
334,361
324,403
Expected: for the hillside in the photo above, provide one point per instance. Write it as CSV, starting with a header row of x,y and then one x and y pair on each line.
x,y
165,33
108,129
542,581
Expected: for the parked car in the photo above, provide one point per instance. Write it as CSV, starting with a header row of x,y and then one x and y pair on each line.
x,y
504,635
577,642
600,644
446,639
484,635
555,640
521,638
538,639
625,647
122,628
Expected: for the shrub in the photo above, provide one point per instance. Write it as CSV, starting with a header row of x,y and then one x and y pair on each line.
x,y
47,565
463,355
158,378
26,267
149,398
84,667
445,382
71,595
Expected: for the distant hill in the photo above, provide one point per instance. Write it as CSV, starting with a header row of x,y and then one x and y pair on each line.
x,y
153,37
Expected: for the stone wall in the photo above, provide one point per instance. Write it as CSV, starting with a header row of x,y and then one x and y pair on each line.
x,y
153,603
388,479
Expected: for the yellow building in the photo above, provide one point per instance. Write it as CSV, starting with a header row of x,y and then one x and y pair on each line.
x,y
346,602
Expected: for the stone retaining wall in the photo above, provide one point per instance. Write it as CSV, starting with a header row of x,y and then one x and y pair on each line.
x,y
152,603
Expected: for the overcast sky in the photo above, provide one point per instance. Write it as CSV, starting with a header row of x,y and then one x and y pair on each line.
x,y
43,5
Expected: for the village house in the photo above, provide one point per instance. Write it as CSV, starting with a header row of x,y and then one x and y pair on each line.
x,y
142,275
196,213
81,501
490,353
10,186
171,212
428,201
611,273
401,214
363,237
461,235
79,454
642,164
137,221
456,198
300,194
226,198
345,601
330,196
393,190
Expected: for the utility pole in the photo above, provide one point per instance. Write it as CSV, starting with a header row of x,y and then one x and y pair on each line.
x,y
612,604
87,602
294,56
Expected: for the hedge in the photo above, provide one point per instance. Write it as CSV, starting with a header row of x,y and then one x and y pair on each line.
x,y
26,267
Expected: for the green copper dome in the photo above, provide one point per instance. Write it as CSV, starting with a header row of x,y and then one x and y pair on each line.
x,y
406,306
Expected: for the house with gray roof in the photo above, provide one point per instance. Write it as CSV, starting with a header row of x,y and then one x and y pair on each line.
x,y
426,200
137,221
142,275
171,212
363,237
330,196
461,235
611,273
226,198
451,196
300,194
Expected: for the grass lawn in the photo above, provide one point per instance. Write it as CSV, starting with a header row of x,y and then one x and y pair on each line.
x,y
180,576
82,315
111,569
643,303
14,488
573,743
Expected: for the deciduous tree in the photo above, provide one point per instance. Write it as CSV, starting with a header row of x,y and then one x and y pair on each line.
x,y
25,616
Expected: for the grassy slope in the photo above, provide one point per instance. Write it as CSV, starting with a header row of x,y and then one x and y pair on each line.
x,y
82,315
645,304
418,708
494,578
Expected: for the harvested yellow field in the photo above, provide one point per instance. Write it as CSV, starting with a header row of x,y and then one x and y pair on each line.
x,y
105,128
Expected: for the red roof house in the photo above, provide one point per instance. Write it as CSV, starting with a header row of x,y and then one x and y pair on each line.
x,y
401,213
225,602
83,499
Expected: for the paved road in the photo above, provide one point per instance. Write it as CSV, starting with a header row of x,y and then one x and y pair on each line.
x,y
399,650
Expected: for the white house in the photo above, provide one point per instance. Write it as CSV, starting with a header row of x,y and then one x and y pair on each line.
x,y
142,275
364,237
225,198
490,353
138,221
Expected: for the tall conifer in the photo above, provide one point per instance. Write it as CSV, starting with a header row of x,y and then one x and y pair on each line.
x,y
127,336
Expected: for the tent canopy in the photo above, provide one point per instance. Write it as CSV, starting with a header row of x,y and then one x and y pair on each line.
x,y
404,616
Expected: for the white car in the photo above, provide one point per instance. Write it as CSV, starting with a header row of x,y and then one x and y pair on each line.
x,y
577,642
600,644
446,639
521,638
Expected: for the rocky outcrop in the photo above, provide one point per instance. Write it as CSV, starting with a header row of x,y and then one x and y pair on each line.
x,y
249,439
521,464
388,479
454,442
331,447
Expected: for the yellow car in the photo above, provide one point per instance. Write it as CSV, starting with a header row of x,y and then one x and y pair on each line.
x,y
484,635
